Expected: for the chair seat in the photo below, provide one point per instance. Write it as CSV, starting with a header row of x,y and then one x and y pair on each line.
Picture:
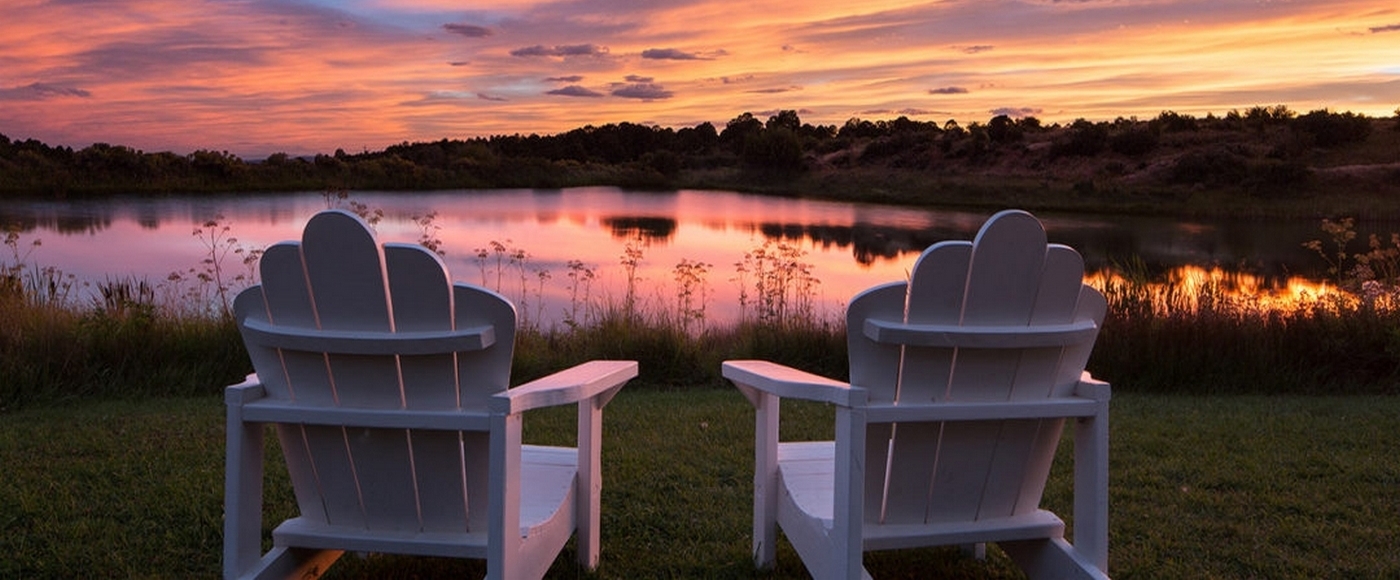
x,y
547,476
805,472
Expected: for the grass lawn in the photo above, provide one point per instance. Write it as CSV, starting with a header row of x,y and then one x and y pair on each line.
x,y
1222,487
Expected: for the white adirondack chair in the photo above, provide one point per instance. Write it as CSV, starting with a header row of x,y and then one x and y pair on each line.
x,y
387,385
960,383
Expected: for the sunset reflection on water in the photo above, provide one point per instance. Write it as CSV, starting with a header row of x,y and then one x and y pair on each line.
x,y
534,245
1189,289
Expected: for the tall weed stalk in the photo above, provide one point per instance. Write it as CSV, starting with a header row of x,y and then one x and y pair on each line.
x,y
135,340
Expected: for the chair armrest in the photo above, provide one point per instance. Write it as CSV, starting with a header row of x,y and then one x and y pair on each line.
x,y
787,382
1092,388
600,378
251,389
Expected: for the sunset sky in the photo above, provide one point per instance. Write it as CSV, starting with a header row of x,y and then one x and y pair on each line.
x,y
259,76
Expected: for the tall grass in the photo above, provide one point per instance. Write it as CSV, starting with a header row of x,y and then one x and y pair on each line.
x,y
1317,348
133,339
1204,339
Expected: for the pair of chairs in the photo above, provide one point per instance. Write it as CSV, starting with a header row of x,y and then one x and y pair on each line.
x,y
388,387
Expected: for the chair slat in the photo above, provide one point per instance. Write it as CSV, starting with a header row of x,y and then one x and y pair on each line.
x,y
971,369
362,352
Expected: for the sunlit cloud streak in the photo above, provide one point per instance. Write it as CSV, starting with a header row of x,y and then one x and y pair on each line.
x,y
561,51
308,76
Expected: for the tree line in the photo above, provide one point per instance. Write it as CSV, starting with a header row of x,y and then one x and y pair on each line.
x,y
645,156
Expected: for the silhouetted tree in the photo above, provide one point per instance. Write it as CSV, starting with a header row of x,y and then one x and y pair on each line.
x,y
698,139
738,131
784,119
774,150
1002,129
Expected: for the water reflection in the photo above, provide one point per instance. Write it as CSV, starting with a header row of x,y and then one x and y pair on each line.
x,y
1192,289
649,229
552,232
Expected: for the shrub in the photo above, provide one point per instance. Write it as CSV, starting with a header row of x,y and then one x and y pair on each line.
x,y
1212,168
1172,122
1271,177
1328,129
1083,139
1133,141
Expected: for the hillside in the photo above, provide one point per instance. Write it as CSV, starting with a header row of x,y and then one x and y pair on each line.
x,y
1267,161
1216,166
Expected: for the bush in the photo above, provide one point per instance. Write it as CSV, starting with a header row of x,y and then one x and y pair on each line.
x,y
1083,139
1133,142
1328,129
1211,168
1273,177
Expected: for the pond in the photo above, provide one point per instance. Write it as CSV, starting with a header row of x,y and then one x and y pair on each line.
x,y
560,254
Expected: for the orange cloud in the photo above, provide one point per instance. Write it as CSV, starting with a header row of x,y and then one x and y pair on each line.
x,y
312,75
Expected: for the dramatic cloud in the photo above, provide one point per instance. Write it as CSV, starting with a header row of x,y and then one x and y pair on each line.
x,y
670,54
468,30
642,91
561,50
41,91
1016,112
574,91
320,75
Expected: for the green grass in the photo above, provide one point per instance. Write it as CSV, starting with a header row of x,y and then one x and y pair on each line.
x,y
1201,487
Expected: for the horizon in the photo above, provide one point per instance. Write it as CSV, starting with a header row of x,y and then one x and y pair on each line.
x,y
307,77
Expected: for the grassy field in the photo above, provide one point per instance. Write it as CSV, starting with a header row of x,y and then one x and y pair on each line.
x,y
1247,442
1202,487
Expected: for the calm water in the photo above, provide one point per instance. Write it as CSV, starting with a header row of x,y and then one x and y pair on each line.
x,y
848,246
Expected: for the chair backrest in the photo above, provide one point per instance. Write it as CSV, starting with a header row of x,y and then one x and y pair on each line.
x,y
1005,317
339,321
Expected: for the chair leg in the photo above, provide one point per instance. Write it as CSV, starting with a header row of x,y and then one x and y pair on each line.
x,y
1091,487
503,557
847,534
765,481
243,474
590,482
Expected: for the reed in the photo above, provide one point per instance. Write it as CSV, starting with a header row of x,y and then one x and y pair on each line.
x,y
130,338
